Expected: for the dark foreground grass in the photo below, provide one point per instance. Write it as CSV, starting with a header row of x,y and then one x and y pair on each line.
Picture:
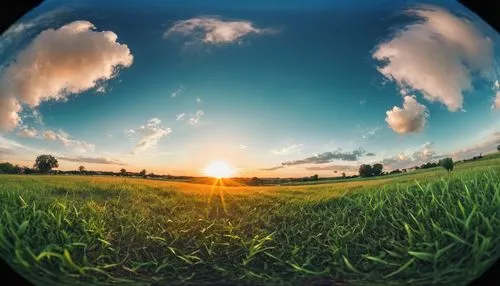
x,y
71,230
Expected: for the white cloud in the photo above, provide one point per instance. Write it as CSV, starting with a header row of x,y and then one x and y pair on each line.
x,y
65,139
49,135
436,56
496,103
180,116
496,100
411,118
413,157
370,132
213,30
292,148
9,112
77,145
242,147
56,64
27,132
177,92
198,100
149,134
196,118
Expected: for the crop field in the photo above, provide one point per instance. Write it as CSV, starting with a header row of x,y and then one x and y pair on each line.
x,y
419,228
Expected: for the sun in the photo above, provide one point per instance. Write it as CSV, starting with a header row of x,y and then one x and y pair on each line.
x,y
219,169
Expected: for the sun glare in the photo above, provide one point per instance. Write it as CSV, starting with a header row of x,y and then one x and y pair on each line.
x,y
219,169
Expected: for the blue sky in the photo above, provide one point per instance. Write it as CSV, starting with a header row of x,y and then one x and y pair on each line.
x,y
298,81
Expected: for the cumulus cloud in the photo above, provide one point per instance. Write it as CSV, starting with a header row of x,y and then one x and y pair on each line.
x,y
411,118
91,160
196,118
436,56
292,148
150,134
28,132
56,64
214,30
328,157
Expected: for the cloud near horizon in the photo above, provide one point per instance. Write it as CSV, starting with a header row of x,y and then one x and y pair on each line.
x,y
413,157
214,30
486,146
342,168
273,168
328,157
91,160
409,119
57,63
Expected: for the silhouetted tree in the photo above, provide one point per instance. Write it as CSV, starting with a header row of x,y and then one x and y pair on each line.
x,y
498,148
123,171
314,178
343,175
45,163
143,173
377,169
7,168
365,170
81,169
447,163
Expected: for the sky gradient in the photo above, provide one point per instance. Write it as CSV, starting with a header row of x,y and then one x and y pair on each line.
x,y
274,91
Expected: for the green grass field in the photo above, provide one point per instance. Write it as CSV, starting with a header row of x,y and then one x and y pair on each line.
x,y
419,228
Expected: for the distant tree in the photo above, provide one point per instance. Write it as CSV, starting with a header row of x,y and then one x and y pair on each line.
x,y
7,168
314,178
123,171
447,163
343,175
255,181
81,169
365,170
143,173
377,169
45,163
498,148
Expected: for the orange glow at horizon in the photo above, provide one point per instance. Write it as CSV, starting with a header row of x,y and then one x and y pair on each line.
x,y
219,169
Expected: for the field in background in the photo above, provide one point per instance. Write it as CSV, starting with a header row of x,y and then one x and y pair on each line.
x,y
422,227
